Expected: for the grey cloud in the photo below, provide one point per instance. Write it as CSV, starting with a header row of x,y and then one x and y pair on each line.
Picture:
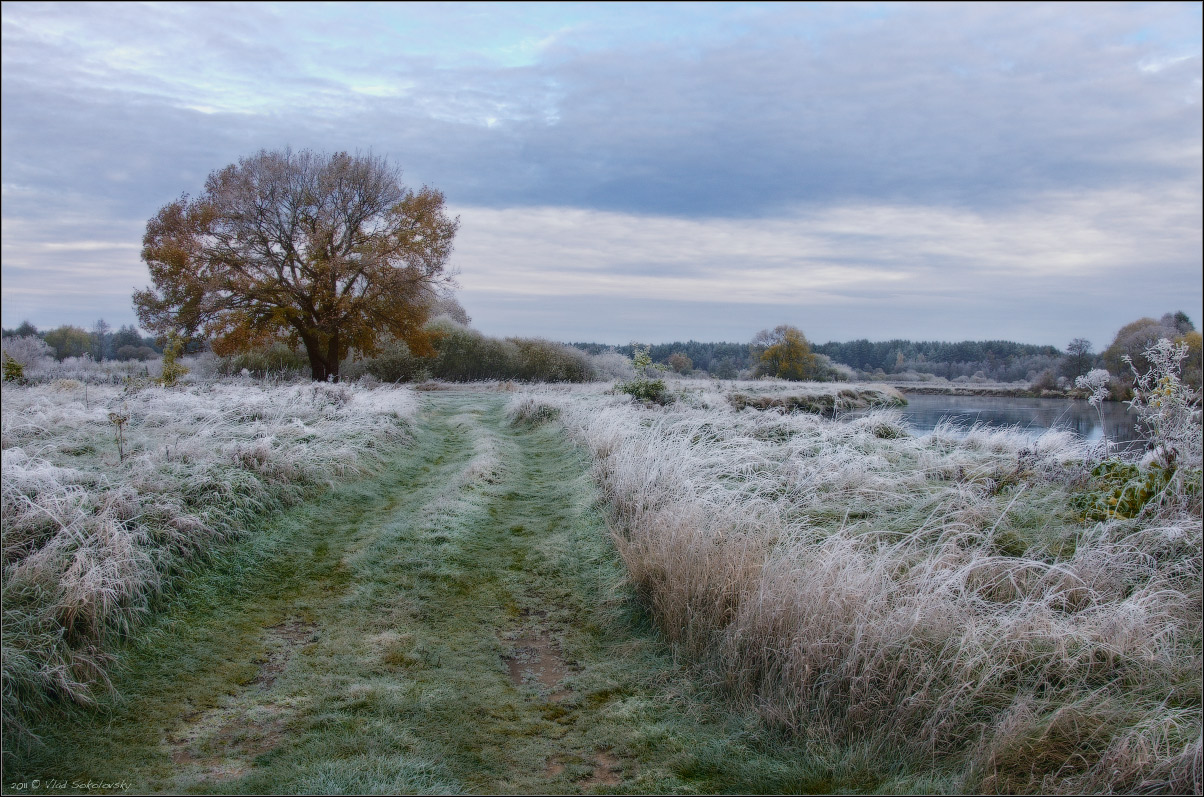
x,y
792,107
953,104
903,111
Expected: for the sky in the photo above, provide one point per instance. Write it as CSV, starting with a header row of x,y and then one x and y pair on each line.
x,y
648,172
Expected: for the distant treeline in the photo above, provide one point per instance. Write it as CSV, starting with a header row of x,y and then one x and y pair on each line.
x,y
100,343
720,360
998,360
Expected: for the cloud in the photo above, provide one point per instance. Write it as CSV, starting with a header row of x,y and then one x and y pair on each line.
x,y
964,104
948,264
869,157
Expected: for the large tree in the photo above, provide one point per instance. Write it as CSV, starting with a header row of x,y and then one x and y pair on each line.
x,y
784,353
1078,359
328,251
1134,338
68,341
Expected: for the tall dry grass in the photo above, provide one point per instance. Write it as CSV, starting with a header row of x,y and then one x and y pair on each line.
x,y
91,536
931,597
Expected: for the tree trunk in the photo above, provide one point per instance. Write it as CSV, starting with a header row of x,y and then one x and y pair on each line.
x,y
318,367
332,357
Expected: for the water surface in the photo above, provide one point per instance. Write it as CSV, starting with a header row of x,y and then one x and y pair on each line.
x,y
1036,415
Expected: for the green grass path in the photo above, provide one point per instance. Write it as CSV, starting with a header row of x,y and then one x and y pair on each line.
x,y
455,623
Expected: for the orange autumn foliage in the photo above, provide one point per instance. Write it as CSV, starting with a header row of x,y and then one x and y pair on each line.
x,y
331,252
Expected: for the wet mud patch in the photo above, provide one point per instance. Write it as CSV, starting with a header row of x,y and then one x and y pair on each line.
x,y
536,659
606,770
224,742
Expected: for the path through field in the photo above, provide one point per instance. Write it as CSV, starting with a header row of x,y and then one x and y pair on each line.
x,y
454,624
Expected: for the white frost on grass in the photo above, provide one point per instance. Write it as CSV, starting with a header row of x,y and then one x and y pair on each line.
x,y
932,595
92,532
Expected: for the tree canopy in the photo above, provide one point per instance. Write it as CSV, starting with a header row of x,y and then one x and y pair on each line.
x,y
328,251
1136,337
1078,359
68,341
784,353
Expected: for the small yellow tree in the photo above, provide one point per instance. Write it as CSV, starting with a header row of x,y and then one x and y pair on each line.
x,y
784,353
681,363
173,370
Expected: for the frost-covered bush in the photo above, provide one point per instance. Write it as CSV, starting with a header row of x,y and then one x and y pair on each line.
x,y
465,355
1168,411
611,365
28,350
88,371
91,535
393,363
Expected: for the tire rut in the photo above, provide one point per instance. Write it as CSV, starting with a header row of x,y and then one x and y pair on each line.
x,y
455,624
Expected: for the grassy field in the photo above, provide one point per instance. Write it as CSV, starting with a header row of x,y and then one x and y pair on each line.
x,y
111,497
457,623
335,588
940,599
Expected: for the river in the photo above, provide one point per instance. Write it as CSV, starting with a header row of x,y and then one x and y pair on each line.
x,y
924,412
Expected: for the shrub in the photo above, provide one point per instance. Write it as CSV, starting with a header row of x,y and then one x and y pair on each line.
x,y
544,361
278,359
784,353
641,387
13,370
680,362
530,411
465,355
1046,380
1168,410
28,350
1122,489
69,341
173,370
1168,413
826,370
611,364
393,363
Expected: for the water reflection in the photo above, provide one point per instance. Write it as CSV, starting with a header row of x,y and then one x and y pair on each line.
x,y
1036,415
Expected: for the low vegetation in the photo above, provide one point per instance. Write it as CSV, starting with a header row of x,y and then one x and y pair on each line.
x,y
830,402
974,609
111,495
456,622
938,599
